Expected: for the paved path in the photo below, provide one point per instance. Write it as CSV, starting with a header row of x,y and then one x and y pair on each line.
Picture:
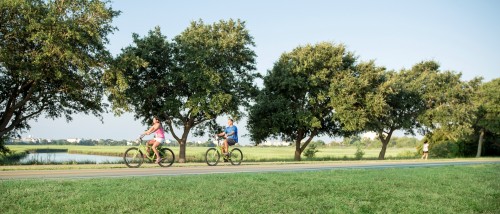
x,y
224,168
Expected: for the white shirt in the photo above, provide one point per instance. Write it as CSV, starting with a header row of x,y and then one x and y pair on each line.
x,y
426,147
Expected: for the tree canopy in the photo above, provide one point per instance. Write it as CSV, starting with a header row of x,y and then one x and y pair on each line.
x,y
294,103
487,103
51,58
422,98
203,73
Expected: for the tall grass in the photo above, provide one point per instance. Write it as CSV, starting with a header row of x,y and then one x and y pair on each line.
x,y
251,154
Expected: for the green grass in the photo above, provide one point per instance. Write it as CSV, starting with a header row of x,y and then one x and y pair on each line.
x,y
450,189
196,154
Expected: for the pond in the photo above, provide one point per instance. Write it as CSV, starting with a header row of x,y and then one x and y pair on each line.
x,y
61,157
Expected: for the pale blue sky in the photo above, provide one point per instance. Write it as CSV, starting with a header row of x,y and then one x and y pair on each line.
x,y
462,35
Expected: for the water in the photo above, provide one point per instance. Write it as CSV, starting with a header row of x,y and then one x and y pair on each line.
x,y
60,157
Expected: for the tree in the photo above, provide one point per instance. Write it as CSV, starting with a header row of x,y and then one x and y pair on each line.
x,y
367,98
447,99
205,72
294,103
422,98
51,56
487,102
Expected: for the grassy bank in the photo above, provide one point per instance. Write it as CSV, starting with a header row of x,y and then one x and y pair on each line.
x,y
453,189
196,154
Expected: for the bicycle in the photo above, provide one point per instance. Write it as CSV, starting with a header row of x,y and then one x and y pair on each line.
x,y
134,157
212,156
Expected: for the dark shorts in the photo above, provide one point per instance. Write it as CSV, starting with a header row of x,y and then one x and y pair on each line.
x,y
231,141
426,151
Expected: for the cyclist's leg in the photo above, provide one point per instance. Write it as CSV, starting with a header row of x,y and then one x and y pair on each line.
x,y
155,149
148,146
225,147
229,142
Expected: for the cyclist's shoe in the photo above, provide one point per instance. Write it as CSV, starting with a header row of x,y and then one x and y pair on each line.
x,y
225,159
226,154
158,161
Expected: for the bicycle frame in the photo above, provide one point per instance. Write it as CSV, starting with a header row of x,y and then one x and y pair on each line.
x,y
143,149
219,146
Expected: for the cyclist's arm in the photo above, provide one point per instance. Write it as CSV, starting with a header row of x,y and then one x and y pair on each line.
x,y
152,129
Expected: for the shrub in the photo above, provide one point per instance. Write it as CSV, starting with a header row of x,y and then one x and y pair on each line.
x,y
359,151
444,149
310,151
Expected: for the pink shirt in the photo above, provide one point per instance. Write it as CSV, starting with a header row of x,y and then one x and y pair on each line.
x,y
160,133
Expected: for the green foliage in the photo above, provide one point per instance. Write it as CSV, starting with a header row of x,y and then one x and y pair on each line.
x,y
294,103
422,98
352,140
311,150
354,95
487,100
442,145
444,149
203,73
3,149
359,151
447,99
51,57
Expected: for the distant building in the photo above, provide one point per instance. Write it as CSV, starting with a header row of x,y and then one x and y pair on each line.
x,y
369,135
74,140
275,143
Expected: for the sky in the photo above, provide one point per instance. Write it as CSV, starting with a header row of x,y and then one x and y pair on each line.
x,y
462,35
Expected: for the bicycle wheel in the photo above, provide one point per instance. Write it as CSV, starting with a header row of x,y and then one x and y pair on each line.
x,y
167,157
235,156
133,157
212,157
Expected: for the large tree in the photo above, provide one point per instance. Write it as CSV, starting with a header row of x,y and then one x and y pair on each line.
x,y
422,99
205,72
369,99
448,100
487,102
294,103
51,57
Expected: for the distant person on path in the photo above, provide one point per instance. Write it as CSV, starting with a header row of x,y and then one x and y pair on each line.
x,y
157,128
426,150
230,135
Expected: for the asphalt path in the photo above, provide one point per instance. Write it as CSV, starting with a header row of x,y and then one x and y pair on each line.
x,y
226,168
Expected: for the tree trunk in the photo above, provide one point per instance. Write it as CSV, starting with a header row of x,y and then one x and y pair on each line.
x,y
381,155
182,141
182,151
182,145
385,141
298,151
480,143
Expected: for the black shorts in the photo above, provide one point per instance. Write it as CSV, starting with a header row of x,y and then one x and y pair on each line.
x,y
231,141
426,152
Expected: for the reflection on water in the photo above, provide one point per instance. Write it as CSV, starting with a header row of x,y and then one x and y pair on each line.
x,y
60,157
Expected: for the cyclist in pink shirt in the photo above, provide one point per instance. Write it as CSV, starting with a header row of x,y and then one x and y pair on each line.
x,y
157,128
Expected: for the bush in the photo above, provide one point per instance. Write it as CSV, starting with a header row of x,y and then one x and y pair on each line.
x,y
359,151
310,151
444,149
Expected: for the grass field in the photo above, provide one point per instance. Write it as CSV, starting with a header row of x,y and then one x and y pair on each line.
x,y
450,189
196,154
